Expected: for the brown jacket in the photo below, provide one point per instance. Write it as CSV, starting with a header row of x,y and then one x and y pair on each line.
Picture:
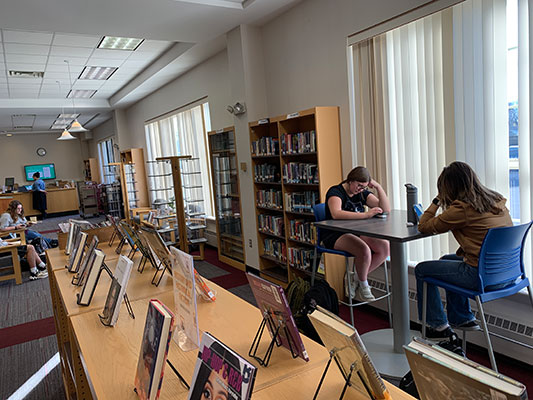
x,y
467,225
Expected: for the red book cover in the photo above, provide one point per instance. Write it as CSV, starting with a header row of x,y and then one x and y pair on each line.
x,y
271,300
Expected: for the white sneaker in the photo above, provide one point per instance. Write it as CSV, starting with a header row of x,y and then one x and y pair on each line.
x,y
353,282
364,294
38,275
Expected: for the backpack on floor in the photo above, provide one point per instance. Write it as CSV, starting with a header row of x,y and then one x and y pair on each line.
x,y
40,245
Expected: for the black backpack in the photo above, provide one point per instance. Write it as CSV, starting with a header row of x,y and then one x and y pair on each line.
x,y
40,245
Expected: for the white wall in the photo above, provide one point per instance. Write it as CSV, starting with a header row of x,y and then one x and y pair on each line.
x,y
207,79
104,131
19,150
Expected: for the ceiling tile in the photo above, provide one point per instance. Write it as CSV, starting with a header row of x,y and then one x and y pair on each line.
x,y
60,75
61,39
60,60
25,67
104,62
18,48
153,45
27,37
111,54
23,95
139,64
26,58
74,69
64,82
70,51
87,85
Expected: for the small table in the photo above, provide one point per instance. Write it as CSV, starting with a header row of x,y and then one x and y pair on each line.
x,y
386,346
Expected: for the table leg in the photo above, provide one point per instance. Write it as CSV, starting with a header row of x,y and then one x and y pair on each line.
x,y
400,295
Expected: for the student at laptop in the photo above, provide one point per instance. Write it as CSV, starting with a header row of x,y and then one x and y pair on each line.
x,y
469,210
347,200
14,218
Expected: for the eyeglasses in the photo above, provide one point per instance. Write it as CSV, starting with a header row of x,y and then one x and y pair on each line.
x,y
360,186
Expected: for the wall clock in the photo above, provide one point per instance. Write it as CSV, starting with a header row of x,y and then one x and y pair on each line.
x,y
41,151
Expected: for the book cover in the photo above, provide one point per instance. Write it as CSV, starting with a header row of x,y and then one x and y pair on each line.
x,y
154,349
349,349
80,275
93,270
77,255
117,289
271,300
441,374
220,373
187,331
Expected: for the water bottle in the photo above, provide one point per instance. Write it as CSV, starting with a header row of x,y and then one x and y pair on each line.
x,y
412,199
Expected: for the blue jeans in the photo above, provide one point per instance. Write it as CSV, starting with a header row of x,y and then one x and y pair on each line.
x,y
451,269
30,235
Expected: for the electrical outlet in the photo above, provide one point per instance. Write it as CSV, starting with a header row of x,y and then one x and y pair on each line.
x,y
249,242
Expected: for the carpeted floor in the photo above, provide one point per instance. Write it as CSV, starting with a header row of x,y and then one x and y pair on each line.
x,y
27,331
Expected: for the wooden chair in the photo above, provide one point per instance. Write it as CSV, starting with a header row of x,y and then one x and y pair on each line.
x,y
11,250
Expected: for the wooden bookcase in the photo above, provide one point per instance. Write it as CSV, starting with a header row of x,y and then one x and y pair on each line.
x,y
225,176
296,158
136,157
91,171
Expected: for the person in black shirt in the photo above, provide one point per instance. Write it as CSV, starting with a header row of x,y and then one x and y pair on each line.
x,y
347,200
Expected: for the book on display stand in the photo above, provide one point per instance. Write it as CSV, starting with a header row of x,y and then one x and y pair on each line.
x,y
78,279
117,291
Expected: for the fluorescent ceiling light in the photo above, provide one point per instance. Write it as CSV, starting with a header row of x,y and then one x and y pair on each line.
x,y
119,43
81,94
70,117
97,73
59,125
9,134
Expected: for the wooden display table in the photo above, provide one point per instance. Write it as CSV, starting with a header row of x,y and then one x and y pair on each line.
x,y
100,362
57,200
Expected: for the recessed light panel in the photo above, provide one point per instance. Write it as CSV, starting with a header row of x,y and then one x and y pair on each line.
x,y
59,125
81,94
26,74
70,117
119,43
97,73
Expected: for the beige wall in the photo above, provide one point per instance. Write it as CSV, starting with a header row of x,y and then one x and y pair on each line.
x,y
104,131
20,150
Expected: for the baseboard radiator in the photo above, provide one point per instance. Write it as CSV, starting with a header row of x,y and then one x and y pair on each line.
x,y
505,325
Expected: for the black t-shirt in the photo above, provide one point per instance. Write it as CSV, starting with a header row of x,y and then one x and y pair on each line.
x,y
355,203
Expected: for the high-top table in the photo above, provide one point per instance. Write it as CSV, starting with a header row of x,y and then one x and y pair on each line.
x,y
386,345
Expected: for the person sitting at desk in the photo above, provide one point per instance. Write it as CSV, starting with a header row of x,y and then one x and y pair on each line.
x,y
14,218
469,211
39,194
37,266
347,200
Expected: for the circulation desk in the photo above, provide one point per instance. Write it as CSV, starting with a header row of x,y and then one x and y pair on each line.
x,y
57,200
100,362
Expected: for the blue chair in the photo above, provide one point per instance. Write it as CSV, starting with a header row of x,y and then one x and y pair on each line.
x,y
500,263
320,215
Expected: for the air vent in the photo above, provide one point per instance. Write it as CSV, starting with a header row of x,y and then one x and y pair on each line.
x,y
26,74
23,121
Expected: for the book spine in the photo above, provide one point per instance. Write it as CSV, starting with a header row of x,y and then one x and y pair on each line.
x,y
170,331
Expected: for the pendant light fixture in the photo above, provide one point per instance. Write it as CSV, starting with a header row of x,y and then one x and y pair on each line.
x,y
75,126
66,134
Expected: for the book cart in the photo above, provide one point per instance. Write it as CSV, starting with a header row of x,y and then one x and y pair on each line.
x,y
227,197
295,160
100,362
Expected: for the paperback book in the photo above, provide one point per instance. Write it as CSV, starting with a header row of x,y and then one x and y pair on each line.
x,y
221,373
117,290
73,231
187,331
273,304
343,339
154,349
93,272
441,374
77,253
79,278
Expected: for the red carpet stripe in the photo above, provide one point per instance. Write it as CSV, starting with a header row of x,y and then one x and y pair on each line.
x,y
26,332
50,231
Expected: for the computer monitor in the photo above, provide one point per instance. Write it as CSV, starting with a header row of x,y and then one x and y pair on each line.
x,y
10,182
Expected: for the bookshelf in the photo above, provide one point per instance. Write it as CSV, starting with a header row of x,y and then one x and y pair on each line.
x,y
135,156
225,177
91,171
295,160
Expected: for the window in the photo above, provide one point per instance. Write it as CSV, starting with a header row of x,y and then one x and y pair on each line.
x,y
106,155
183,133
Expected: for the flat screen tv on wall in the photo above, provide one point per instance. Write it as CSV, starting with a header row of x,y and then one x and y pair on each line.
x,y
48,171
